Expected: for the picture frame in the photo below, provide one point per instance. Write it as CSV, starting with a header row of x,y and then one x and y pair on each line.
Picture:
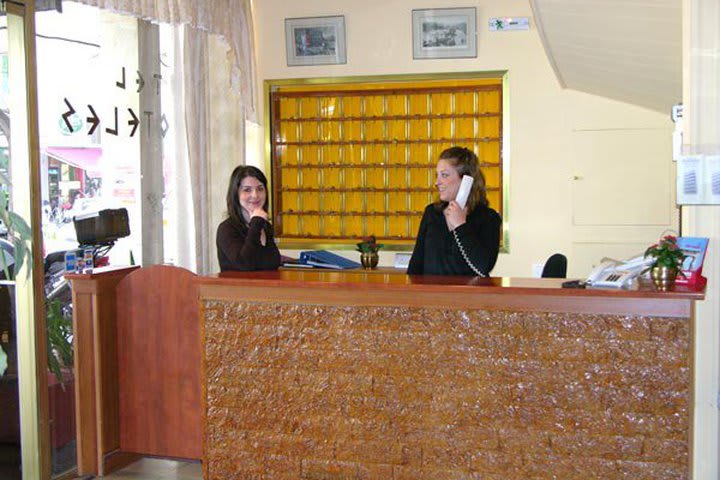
x,y
444,33
315,40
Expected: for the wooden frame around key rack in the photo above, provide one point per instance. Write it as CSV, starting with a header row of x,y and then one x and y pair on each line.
x,y
351,159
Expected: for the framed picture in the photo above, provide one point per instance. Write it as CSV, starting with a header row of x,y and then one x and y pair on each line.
x,y
315,40
444,33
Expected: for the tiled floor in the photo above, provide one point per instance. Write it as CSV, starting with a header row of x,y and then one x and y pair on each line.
x,y
156,469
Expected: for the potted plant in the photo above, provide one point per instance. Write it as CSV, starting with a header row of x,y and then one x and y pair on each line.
x,y
667,260
368,249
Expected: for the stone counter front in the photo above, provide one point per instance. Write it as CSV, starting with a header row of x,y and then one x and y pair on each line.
x,y
330,390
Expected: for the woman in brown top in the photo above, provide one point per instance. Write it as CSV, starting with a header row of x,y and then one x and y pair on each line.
x,y
245,239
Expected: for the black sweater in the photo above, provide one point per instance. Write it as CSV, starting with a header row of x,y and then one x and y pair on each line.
x,y
437,253
239,246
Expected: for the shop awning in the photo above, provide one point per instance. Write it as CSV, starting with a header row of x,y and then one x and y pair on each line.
x,y
87,159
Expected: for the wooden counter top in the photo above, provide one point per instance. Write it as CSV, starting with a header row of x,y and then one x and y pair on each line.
x,y
392,280
102,272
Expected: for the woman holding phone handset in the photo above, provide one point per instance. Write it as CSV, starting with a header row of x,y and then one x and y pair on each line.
x,y
245,239
454,240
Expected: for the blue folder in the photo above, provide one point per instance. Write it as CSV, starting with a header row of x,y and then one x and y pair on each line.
x,y
325,259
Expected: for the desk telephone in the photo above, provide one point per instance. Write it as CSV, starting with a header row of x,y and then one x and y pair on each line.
x,y
612,273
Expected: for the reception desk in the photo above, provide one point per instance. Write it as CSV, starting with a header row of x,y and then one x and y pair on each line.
x,y
353,375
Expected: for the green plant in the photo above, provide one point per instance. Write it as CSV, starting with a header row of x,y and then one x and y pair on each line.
x,y
19,233
59,340
666,253
3,361
369,245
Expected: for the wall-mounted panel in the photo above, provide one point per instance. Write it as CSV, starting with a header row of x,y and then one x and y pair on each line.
x,y
357,159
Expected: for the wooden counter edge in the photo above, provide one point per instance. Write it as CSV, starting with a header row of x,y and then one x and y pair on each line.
x,y
433,284
438,298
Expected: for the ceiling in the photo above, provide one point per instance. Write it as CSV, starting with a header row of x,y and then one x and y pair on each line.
x,y
627,50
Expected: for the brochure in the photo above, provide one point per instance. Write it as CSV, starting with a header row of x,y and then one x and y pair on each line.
x,y
694,249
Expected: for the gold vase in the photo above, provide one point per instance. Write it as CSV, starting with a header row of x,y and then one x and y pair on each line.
x,y
664,277
369,260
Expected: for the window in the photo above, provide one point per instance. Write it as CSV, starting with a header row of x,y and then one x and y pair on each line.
x,y
355,159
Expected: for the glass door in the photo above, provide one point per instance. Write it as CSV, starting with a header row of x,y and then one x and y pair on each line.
x,y
10,463
99,80
22,331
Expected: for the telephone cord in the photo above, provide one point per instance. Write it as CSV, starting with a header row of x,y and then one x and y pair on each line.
x,y
465,256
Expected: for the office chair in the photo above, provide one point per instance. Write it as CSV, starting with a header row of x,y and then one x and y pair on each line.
x,y
555,267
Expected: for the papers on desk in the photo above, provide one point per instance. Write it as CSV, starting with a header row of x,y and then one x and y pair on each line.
x,y
325,259
402,260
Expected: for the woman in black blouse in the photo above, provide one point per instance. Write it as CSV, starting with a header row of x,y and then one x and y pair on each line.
x,y
245,239
451,240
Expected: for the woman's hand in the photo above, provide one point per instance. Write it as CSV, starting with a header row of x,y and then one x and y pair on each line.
x,y
454,215
259,212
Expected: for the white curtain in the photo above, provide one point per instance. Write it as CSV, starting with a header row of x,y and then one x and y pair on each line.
x,y
202,146
230,19
180,235
195,74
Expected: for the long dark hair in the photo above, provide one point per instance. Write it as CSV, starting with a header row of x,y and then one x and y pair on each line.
x,y
466,163
234,209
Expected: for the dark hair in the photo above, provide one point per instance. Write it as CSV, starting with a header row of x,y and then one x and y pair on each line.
x,y
234,209
466,163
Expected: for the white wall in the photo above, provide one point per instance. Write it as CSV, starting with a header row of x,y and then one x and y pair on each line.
x,y
544,120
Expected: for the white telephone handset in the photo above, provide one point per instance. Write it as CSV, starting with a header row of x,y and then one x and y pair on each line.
x,y
461,199
464,190
612,273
